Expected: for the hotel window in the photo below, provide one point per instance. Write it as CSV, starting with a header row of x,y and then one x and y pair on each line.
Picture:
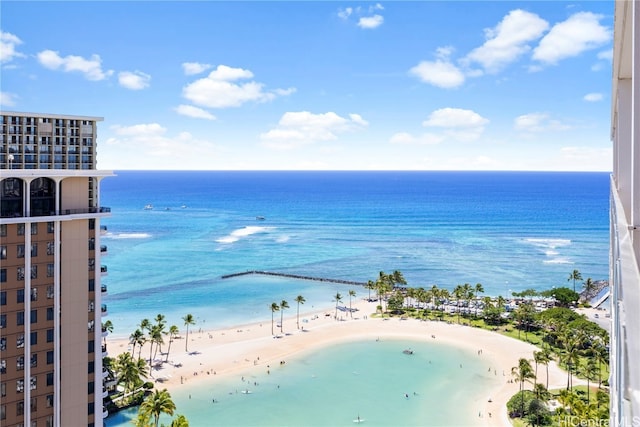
x,y
20,251
92,244
21,274
34,294
34,271
21,229
34,228
34,338
20,386
91,408
3,321
49,400
20,292
92,264
92,224
49,335
92,285
33,383
3,389
49,420
50,378
90,325
3,252
50,227
34,406
50,292
3,412
49,359
91,386
34,360
3,344
20,408
3,297
91,367
34,249
3,275
51,248
20,318
20,363
92,306
91,346
3,367
3,230
34,316
49,313
20,341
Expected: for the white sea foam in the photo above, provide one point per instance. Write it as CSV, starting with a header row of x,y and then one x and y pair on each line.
x,y
283,239
128,235
557,261
242,233
548,243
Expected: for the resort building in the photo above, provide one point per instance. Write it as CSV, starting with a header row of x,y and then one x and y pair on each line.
x,y
625,217
51,338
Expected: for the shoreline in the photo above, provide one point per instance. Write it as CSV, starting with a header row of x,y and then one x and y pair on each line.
x,y
216,354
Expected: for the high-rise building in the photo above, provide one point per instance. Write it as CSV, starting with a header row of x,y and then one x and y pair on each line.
x,y
51,313
625,217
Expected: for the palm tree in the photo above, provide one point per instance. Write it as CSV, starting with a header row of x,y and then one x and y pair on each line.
x,y
398,278
300,300
575,275
274,307
478,289
458,292
352,293
173,332
158,403
179,421
136,338
370,286
337,299
188,320
543,357
107,327
130,371
601,355
283,306
522,373
590,371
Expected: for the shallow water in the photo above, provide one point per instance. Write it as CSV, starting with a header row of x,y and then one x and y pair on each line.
x,y
445,387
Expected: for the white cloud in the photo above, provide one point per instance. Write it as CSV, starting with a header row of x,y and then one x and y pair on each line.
x,y
588,158
195,112
345,13
593,97
91,68
135,80
508,40
404,138
606,55
149,147
8,43
441,72
538,122
457,123
580,32
7,99
219,90
370,22
191,68
299,128
141,130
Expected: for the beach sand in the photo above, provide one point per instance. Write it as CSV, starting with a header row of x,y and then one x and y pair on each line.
x,y
221,353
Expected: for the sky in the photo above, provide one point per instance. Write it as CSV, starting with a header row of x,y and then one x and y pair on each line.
x,y
327,85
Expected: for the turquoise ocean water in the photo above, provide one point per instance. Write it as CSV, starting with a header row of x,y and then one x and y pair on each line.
x,y
507,230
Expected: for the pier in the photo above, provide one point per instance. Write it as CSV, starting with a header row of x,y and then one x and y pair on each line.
x,y
293,276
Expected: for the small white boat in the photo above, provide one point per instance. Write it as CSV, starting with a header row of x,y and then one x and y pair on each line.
x,y
358,420
407,351
148,207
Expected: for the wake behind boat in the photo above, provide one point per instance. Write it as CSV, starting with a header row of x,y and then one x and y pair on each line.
x,y
358,420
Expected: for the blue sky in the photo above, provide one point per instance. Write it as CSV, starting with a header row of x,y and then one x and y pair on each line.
x,y
422,85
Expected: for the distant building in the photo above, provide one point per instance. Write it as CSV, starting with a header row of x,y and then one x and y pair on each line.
x,y
625,217
50,271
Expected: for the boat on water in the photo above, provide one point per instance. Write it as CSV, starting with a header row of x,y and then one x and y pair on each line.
x,y
407,351
148,207
260,218
358,420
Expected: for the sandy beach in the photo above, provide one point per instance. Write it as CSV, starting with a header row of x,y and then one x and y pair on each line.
x,y
221,353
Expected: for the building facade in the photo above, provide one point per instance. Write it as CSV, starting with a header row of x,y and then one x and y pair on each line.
x,y
625,217
51,313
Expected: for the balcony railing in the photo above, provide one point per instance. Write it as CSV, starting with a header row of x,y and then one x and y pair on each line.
x,y
62,212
